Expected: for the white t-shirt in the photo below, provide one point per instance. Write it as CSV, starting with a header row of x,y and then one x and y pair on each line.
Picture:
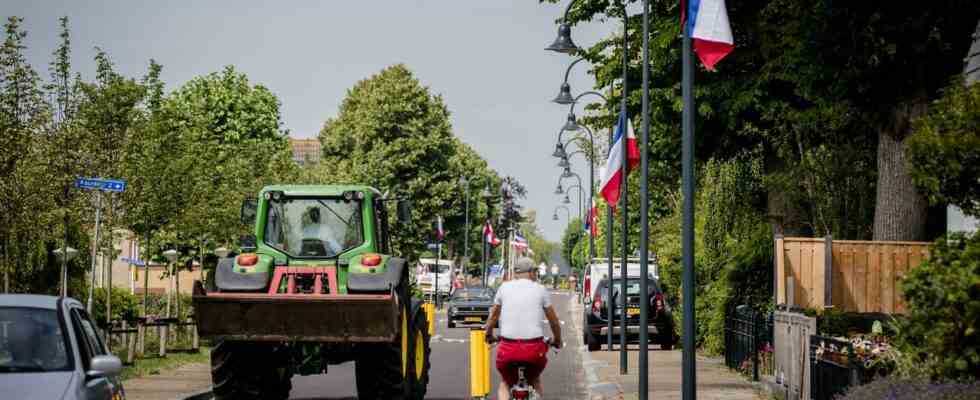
x,y
522,303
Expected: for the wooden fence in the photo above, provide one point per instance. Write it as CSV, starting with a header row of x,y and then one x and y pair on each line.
x,y
850,275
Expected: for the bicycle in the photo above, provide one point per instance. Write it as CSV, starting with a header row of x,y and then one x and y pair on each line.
x,y
522,390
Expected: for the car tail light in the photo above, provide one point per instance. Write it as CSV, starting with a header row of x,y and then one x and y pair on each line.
x,y
248,260
371,260
597,306
587,286
659,301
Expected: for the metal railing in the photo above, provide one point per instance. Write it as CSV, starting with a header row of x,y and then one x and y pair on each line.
x,y
748,341
133,337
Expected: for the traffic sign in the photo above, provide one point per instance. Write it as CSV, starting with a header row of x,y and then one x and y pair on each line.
x,y
109,185
134,261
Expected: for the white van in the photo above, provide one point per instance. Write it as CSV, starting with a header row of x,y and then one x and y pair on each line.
x,y
599,270
425,276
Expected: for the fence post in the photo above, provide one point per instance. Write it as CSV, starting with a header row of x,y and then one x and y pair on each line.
x,y
755,346
162,329
828,270
195,340
141,337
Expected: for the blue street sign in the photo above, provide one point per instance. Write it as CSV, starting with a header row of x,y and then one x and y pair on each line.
x,y
109,185
134,261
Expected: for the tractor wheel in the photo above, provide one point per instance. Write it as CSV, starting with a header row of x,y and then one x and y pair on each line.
x,y
249,370
380,371
419,353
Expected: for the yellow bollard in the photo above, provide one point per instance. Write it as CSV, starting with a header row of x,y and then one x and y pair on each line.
x,y
479,364
486,367
430,315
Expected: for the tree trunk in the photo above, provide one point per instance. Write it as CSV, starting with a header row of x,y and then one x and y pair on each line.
x,y
900,211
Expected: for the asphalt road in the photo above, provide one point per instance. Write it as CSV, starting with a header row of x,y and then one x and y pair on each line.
x,y
449,377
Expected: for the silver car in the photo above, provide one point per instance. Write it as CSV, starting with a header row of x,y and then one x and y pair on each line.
x,y
49,349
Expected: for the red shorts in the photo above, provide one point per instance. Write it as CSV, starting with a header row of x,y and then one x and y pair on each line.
x,y
532,353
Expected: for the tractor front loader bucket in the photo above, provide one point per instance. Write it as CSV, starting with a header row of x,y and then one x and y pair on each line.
x,y
296,317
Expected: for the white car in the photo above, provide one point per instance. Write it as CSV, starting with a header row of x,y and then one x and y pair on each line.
x,y
428,272
49,349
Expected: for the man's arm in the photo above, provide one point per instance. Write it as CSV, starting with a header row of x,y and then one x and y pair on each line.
x,y
549,312
492,320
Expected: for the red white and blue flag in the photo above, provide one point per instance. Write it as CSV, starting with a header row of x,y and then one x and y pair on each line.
x,y
440,232
519,242
610,175
707,22
590,220
488,235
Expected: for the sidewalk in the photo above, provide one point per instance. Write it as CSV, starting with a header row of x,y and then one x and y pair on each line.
x,y
173,384
603,381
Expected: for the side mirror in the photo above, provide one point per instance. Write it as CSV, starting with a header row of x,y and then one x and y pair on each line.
x,y
249,210
104,366
404,212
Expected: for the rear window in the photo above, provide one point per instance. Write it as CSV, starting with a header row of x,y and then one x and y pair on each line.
x,y
632,286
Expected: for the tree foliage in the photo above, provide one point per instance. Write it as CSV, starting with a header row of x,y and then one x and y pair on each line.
x,y
944,150
393,134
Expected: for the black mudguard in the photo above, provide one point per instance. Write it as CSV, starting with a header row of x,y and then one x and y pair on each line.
x,y
383,282
226,278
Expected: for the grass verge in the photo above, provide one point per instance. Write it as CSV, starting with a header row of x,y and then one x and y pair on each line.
x,y
152,365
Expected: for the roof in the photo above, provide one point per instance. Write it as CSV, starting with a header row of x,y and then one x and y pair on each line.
x,y
320,190
972,70
30,300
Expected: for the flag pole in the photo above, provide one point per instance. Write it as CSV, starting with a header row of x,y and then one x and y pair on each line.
x,y
688,382
624,189
644,199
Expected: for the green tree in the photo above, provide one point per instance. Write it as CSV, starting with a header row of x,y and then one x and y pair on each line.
x,y
391,133
944,150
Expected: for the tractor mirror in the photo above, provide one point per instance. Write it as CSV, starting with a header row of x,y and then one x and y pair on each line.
x,y
249,210
404,212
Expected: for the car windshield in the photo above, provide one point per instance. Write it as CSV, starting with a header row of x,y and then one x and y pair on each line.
x,y
431,268
31,340
314,227
472,294
632,287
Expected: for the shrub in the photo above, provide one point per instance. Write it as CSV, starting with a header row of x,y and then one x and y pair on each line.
x,y
125,306
943,297
903,389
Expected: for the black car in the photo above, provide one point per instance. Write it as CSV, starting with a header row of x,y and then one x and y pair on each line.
x,y
469,306
660,324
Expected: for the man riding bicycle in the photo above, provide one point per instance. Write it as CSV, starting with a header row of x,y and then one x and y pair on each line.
x,y
519,307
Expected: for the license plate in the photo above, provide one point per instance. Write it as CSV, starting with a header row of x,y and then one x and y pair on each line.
x,y
633,311
472,319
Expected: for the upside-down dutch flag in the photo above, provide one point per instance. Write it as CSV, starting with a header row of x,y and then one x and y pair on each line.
x,y
489,236
707,21
610,175
590,220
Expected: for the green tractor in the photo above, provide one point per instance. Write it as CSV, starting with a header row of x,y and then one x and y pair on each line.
x,y
315,286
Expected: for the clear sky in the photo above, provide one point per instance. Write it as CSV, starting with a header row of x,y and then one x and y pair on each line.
x,y
485,57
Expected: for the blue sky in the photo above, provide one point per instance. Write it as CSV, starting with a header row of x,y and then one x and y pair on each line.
x,y
485,58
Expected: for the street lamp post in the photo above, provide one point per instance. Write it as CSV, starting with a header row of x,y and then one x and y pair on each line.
x,y
488,197
466,223
563,44
171,256
65,254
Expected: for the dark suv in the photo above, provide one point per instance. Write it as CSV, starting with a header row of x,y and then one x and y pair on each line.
x,y
661,323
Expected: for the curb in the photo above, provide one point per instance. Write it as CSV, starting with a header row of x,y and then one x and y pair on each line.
x,y
595,390
200,395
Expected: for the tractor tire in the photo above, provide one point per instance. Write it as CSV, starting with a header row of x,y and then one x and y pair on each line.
x,y
378,371
249,370
419,363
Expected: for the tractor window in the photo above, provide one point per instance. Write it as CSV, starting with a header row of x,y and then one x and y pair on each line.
x,y
314,227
